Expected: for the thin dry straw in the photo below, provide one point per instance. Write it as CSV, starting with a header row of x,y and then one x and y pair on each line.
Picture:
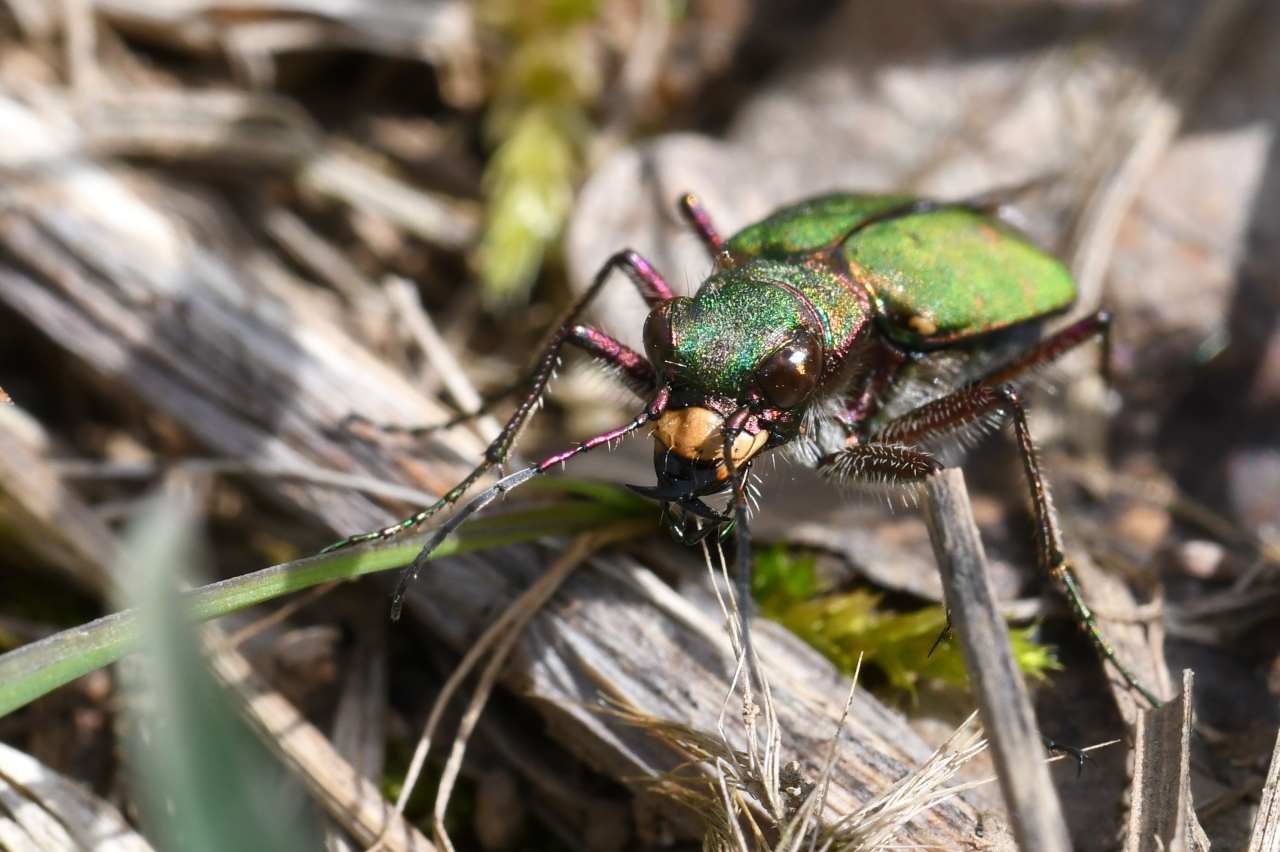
x,y
500,637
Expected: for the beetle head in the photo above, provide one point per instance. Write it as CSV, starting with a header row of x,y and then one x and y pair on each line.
x,y
742,361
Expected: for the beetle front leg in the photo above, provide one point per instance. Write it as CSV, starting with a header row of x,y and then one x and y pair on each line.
x,y
512,481
966,406
879,464
634,369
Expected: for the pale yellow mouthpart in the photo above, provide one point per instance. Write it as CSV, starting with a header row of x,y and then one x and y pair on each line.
x,y
694,433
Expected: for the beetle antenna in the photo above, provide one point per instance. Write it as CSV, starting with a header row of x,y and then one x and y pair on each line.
x,y
507,483
651,412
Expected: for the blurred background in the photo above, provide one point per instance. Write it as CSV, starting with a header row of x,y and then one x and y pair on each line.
x,y
227,226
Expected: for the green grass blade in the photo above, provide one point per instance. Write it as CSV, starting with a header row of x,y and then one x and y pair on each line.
x,y
201,780
33,670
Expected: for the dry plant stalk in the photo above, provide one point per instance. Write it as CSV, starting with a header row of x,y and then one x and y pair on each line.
x,y
497,641
994,675
736,790
1162,816
1266,828
346,795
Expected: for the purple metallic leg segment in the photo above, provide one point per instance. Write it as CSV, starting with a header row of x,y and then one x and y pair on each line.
x,y
634,368
512,481
652,289
697,217
652,286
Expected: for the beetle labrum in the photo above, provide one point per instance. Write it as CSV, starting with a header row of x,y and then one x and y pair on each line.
x,y
850,329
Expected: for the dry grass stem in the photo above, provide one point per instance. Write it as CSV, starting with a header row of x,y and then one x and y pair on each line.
x,y
500,638
282,614
1266,825
359,730
737,793
442,221
730,787
1162,815
75,469
344,793
404,298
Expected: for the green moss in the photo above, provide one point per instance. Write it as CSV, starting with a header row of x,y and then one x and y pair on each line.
x,y
844,625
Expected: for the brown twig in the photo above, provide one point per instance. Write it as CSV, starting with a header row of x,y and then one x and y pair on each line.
x,y
994,676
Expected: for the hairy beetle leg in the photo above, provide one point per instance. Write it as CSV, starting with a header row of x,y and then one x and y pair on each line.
x,y
1096,325
653,289
954,411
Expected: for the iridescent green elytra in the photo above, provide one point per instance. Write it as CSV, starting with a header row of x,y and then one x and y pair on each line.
x,y
852,330
935,277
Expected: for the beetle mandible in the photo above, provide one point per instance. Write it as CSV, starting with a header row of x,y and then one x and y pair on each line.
x,y
850,329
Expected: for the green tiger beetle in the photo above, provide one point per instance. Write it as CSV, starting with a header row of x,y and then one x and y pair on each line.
x,y
853,330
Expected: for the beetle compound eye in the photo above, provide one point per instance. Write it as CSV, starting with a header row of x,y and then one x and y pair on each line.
x,y
790,374
657,337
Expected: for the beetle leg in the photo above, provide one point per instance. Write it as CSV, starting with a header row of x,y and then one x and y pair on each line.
x,y
964,406
602,347
696,215
653,288
1057,345
880,463
633,368
508,483
486,407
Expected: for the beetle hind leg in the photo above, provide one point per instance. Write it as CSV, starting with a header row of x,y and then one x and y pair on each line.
x,y
957,409
1096,325
696,215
